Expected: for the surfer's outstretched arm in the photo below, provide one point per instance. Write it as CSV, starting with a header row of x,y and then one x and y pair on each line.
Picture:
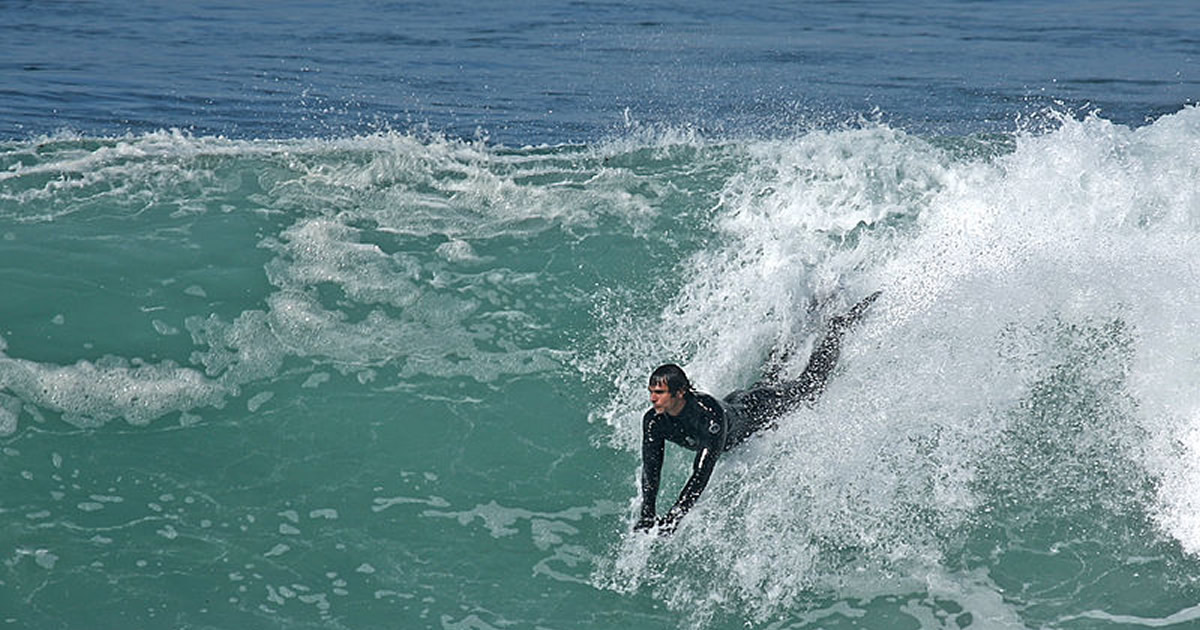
x,y
702,469
653,447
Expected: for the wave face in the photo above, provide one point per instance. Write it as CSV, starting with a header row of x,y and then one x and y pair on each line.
x,y
320,381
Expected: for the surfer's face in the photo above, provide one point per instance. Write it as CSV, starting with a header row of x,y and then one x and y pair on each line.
x,y
664,402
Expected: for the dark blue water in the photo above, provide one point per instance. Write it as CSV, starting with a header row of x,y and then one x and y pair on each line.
x,y
552,72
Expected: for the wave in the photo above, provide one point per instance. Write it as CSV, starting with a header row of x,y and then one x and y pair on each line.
x,y
1028,368
1028,371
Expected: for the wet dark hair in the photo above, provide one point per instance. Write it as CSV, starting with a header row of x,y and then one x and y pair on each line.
x,y
673,377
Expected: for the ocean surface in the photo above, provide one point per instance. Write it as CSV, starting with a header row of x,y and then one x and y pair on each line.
x,y
339,315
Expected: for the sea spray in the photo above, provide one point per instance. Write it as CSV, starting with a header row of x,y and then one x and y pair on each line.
x,y
1025,356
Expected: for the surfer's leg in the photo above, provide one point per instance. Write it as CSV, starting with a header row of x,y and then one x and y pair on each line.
x,y
750,411
773,372
811,383
825,354
763,403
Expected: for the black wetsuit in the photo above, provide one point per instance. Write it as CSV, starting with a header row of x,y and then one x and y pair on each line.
x,y
710,427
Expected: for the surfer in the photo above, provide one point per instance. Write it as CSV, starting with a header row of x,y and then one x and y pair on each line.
x,y
701,423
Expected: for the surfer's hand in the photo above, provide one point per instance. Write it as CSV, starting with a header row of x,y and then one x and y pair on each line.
x,y
644,524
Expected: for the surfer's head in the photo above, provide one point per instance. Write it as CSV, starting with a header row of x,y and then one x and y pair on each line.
x,y
668,386
672,377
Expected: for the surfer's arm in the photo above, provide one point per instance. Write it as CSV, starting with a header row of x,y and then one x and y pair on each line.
x,y
653,445
702,468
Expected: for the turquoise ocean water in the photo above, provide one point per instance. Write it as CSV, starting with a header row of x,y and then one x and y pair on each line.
x,y
348,325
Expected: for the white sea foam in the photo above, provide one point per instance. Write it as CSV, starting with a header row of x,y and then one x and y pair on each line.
x,y
93,393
